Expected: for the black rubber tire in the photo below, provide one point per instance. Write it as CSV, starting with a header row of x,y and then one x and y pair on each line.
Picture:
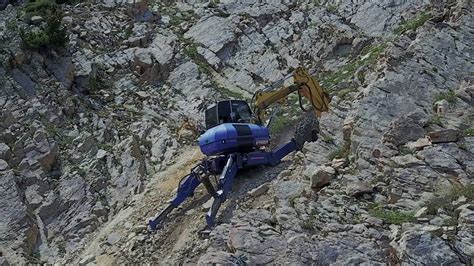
x,y
306,130
3,4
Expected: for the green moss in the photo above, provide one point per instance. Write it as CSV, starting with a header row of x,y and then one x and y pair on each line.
x,y
449,96
413,24
392,216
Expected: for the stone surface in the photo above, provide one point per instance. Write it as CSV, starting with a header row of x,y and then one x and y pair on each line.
x,y
445,135
90,133
425,247
320,176
258,191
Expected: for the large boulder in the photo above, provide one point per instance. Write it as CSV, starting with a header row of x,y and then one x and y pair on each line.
x,y
320,176
421,247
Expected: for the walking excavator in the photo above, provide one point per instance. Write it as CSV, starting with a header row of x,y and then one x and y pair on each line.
x,y
236,138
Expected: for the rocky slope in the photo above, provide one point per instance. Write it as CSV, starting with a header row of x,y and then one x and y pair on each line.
x,y
95,135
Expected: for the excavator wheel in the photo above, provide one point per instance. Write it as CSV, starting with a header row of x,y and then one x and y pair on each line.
x,y
306,130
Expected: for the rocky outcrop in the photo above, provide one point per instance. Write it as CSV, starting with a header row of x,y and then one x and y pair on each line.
x,y
91,134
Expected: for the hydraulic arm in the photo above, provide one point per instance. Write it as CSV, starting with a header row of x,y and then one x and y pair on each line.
x,y
303,83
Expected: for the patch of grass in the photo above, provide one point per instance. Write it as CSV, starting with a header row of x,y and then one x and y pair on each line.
x,y
466,191
279,122
51,130
404,150
413,24
12,25
65,141
292,200
327,138
449,96
341,152
368,56
451,222
444,200
343,93
97,83
436,120
230,93
310,224
392,216
468,132
332,8
106,146
462,146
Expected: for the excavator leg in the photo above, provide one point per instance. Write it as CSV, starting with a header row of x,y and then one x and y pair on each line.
x,y
186,189
224,187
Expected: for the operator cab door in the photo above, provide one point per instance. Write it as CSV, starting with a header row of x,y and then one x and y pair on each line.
x,y
231,111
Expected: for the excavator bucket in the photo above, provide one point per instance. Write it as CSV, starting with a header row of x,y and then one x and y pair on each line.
x,y
311,89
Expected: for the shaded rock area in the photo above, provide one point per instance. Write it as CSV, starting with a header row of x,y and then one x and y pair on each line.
x,y
95,135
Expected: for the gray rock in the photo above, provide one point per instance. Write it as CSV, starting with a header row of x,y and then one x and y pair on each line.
x,y
3,165
406,161
445,135
101,154
86,260
258,191
213,42
219,258
62,68
113,238
426,248
320,176
405,129
419,144
420,212
207,205
35,20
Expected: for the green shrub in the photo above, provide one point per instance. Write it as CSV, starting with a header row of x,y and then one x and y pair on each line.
x,y
40,7
52,35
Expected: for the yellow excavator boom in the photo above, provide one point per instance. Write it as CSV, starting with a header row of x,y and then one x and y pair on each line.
x,y
305,84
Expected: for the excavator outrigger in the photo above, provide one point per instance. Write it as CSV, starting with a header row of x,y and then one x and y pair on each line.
x,y
235,139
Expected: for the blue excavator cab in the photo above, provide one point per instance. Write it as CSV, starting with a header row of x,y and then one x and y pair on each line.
x,y
229,129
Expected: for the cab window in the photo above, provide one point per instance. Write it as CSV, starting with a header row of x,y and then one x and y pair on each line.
x,y
211,117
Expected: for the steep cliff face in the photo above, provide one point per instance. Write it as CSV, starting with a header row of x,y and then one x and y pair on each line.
x,y
101,104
